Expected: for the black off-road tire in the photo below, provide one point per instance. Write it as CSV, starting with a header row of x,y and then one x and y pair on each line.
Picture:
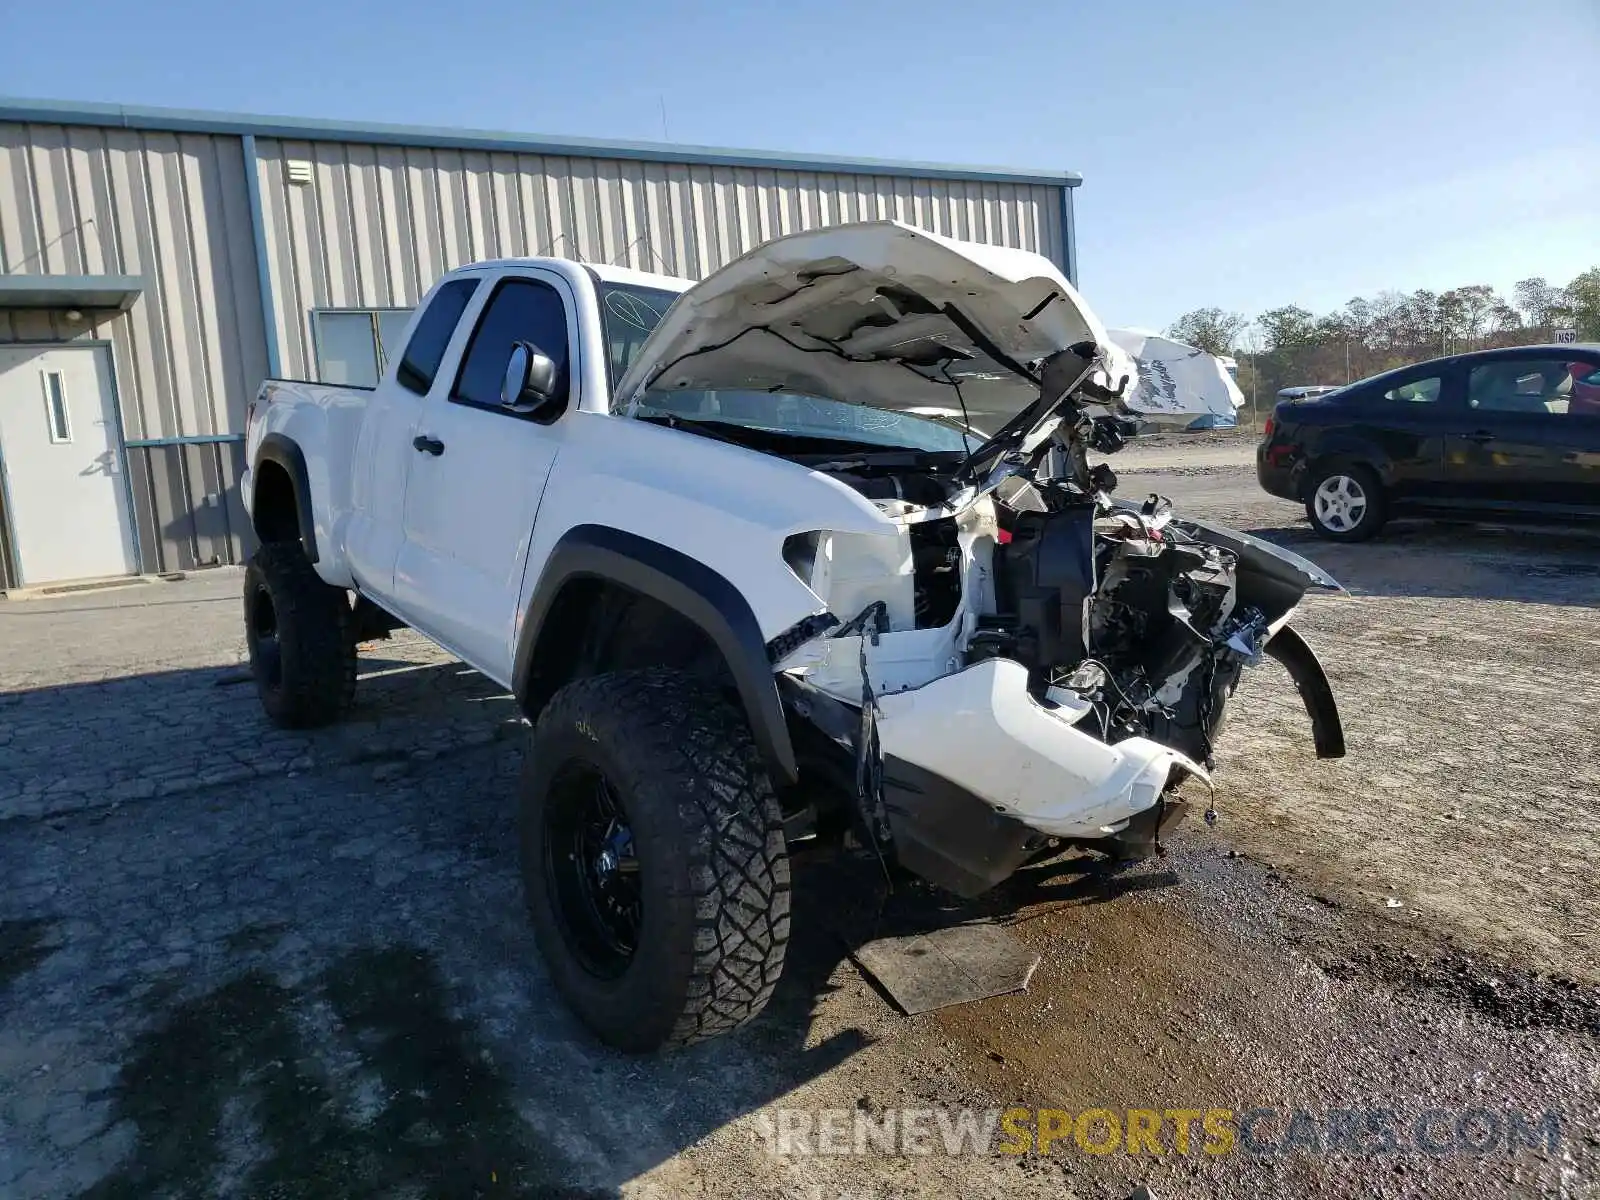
x,y
301,635
707,831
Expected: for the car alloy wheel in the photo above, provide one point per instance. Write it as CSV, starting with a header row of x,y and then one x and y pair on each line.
x,y
1341,503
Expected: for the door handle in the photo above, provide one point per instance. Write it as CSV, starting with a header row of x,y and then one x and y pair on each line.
x,y
428,445
1479,435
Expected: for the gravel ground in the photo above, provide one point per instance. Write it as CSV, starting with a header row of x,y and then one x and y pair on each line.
x,y
241,962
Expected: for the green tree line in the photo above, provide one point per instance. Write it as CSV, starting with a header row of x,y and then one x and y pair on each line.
x,y
1291,346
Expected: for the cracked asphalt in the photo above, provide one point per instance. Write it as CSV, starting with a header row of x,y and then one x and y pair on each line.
x,y
235,961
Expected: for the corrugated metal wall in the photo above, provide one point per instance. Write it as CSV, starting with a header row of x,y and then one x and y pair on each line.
x,y
8,565
172,208
375,227
195,486
378,224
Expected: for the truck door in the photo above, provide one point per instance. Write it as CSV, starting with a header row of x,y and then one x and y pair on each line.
x,y
1526,438
477,475
383,454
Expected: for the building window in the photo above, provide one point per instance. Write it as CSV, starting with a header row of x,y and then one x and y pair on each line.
x,y
55,408
353,344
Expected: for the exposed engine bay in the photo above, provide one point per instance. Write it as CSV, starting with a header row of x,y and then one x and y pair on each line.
x,y
1118,623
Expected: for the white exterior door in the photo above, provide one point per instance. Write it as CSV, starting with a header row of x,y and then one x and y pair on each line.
x,y
61,453
477,476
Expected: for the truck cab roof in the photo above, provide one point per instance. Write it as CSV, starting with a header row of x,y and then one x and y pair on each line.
x,y
602,271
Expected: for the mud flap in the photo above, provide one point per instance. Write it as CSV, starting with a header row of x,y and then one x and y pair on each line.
x,y
1316,693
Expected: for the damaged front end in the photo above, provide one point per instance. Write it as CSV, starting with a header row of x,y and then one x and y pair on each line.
x,y
1035,662
1000,656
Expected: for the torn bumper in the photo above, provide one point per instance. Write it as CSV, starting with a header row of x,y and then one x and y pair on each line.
x,y
981,730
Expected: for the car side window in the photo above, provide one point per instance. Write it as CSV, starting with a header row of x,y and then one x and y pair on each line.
x,y
1543,386
521,310
420,363
1585,398
1416,391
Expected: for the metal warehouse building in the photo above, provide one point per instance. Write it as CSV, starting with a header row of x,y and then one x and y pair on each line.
x,y
157,264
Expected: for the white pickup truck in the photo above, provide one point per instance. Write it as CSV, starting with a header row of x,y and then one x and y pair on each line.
x,y
753,575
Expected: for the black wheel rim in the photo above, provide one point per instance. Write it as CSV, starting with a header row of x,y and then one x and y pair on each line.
x,y
592,870
266,651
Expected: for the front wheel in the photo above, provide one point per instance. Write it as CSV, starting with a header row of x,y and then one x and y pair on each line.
x,y
653,859
1346,504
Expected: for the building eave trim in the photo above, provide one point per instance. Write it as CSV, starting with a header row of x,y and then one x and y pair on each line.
x,y
179,120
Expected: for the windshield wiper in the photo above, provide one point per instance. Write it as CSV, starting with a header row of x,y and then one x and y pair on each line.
x,y
710,429
887,460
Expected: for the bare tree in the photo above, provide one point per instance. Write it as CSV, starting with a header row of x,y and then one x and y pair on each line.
x,y
1503,319
1251,342
1468,311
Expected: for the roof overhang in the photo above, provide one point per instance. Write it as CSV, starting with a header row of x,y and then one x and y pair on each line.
x,y
70,291
179,120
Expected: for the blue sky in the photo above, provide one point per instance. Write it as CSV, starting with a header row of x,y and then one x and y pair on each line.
x,y
1243,153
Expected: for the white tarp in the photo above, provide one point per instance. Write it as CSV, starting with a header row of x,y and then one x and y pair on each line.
x,y
1178,384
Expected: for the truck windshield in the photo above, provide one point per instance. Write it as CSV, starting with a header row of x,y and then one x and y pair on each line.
x,y
630,314
805,416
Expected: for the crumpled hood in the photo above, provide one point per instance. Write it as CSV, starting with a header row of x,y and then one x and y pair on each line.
x,y
878,313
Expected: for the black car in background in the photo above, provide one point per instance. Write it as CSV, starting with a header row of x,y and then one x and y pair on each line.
x,y
1495,434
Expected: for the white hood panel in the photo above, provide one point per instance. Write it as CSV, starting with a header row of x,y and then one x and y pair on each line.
x,y
855,313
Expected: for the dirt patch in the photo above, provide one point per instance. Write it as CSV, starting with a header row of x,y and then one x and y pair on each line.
x,y
1512,996
1205,983
1179,438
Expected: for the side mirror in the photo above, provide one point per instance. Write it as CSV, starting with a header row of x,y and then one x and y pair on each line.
x,y
530,381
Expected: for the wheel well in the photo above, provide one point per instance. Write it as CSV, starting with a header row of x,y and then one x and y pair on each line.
x,y
273,510
597,625
1322,464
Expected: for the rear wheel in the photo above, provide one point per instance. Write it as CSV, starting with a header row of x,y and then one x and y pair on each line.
x,y
1346,503
653,859
301,635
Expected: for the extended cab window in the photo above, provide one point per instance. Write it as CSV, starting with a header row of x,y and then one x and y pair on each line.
x,y
425,352
521,310
1530,385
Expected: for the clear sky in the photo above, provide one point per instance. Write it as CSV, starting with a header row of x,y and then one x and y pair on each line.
x,y
1243,153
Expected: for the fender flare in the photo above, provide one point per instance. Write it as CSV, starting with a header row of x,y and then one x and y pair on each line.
x,y
1316,693
688,587
278,448
1349,450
